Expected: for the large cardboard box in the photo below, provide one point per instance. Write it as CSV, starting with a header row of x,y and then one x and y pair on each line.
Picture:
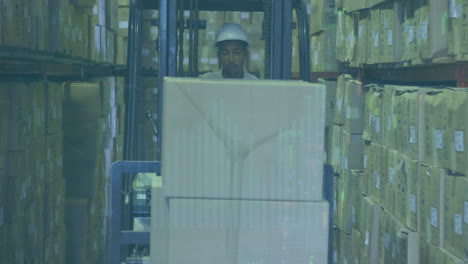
x,y
345,36
54,98
397,244
354,107
409,26
336,148
356,245
373,37
356,197
362,37
458,129
339,116
390,189
330,104
434,146
373,120
431,204
232,231
344,219
433,37
457,37
406,193
370,219
373,171
14,23
239,139
322,15
20,117
390,32
352,155
456,215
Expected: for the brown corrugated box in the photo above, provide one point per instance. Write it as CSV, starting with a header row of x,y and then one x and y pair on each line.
x,y
354,107
456,215
256,132
370,219
242,231
431,204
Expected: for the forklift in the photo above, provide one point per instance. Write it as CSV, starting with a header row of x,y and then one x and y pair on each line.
x,y
130,202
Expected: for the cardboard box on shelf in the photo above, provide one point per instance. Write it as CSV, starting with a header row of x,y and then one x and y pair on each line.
x,y
457,132
397,243
373,120
433,38
322,15
449,258
335,153
54,107
434,146
362,37
344,248
339,116
370,219
373,171
390,189
344,217
390,32
124,16
431,204
354,107
356,197
457,37
345,36
259,139
356,245
352,153
456,215
409,47
373,37
330,104
20,116
14,23
407,193
389,122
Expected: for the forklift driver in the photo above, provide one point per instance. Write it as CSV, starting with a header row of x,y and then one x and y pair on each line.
x,y
233,50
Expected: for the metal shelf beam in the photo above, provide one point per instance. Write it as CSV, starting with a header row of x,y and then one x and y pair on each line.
x,y
215,5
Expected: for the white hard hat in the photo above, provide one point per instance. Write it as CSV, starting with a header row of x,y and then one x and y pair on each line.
x,y
231,31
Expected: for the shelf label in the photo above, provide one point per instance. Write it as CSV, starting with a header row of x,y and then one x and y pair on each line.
x,y
459,142
458,224
412,138
434,217
391,173
424,30
390,37
466,212
439,139
413,203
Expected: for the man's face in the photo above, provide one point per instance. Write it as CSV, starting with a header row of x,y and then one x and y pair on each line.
x,y
232,54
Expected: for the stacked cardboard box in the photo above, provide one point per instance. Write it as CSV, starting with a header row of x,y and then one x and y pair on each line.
x,y
458,42
31,204
403,31
414,171
323,41
92,142
81,29
345,36
347,158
